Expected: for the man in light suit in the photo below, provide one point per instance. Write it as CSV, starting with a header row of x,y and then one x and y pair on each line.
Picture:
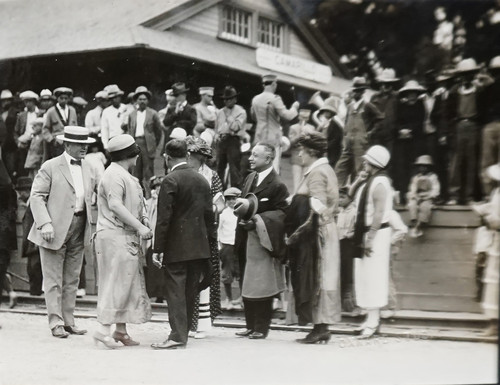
x,y
267,111
61,197
146,128
183,228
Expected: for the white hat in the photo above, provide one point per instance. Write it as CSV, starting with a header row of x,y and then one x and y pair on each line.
x,y
467,65
495,62
206,91
101,95
178,133
388,75
494,172
79,101
113,90
63,90
120,142
412,85
6,94
76,134
377,156
45,94
28,95
285,144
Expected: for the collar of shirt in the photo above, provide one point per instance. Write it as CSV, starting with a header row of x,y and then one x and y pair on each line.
x,y
177,165
264,174
64,111
317,163
68,158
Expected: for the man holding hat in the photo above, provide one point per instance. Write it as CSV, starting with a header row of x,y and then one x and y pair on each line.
x,y
181,114
259,241
56,118
114,117
206,111
230,130
267,111
93,117
60,201
145,127
24,126
360,119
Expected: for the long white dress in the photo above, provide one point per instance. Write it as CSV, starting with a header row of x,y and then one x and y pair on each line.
x,y
371,273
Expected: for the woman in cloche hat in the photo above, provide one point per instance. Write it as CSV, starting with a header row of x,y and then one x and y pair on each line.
x,y
199,152
121,224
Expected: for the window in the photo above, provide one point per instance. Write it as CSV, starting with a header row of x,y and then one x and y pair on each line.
x,y
236,25
270,34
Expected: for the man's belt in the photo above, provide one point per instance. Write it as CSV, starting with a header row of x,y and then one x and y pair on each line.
x,y
382,226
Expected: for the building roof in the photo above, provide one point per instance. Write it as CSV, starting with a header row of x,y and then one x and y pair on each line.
x,y
71,26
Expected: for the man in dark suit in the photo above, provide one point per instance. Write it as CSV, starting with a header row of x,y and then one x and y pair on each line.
x,y
181,114
259,255
145,127
185,223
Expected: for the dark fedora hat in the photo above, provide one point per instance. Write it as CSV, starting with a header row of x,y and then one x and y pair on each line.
x,y
179,88
229,93
246,208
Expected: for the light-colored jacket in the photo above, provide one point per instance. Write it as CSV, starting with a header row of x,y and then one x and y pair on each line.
x,y
53,199
267,111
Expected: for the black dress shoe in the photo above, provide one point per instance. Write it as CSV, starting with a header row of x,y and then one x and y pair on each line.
x,y
59,332
74,330
257,336
244,333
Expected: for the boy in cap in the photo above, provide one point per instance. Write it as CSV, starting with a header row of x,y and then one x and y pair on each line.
x,y
34,143
423,190
227,232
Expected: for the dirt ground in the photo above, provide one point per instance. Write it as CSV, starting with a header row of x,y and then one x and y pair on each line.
x,y
30,355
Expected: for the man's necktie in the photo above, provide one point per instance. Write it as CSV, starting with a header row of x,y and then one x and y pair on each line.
x,y
253,186
77,162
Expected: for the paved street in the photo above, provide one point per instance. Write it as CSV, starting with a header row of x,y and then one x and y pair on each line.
x,y
30,355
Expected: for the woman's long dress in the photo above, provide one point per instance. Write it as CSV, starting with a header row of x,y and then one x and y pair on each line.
x,y
122,296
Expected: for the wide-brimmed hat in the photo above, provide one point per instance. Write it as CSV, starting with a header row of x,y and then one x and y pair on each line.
x,y
495,63
493,172
331,104
141,90
46,94
206,91
388,75
229,93
79,101
63,91
411,86
24,183
198,146
359,83
377,156
178,133
424,160
232,192
122,147
6,94
246,208
28,95
179,88
76,134
101,95
113,90
466,66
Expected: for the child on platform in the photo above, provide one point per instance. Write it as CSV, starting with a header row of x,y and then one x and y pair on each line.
x,y
226,232
423,190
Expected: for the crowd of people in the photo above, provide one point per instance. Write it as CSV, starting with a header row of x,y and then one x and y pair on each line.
x,y
222,213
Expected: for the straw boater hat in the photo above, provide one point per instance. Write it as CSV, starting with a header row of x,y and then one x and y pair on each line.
x,y
467,66
76,134
412,85
28,95
122,147
113,90
377,156
45,94
141,90
206,91
246,208
63,91
388,75
424,160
